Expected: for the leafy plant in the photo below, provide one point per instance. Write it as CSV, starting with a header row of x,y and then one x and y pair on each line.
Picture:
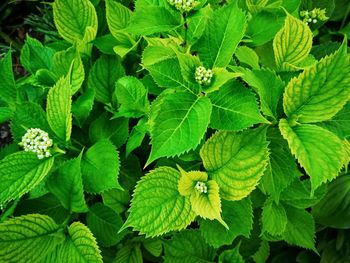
x,y
240,123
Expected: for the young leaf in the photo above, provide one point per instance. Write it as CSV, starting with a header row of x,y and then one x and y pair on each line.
x,y
8,89
234,108
221,36
73,17
188,246
247,56
97,176
103,75
321,90
321,153
179,125
236,161
118,17
292,43
20,172
274,218
22,237
157,207
239,217
66,184
129,253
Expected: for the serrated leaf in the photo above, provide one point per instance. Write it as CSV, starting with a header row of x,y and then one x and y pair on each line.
x,y
220,77
8,89
321,90
239,217
292,43
97,176
5,114
234,108
321,153
104,223
58,109
118,17
231,256
20,172
221,36
35,56
263,253
274,218
188,247
79,246
197,23
247,56
300,228
129,253
179,125
66,184
236,161
103,75
116,199
22,237
153,246
157,207
73,17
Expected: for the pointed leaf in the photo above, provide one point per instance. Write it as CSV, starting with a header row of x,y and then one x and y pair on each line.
x,y
231,256
8,89
129,253
274,218
118,16
116,199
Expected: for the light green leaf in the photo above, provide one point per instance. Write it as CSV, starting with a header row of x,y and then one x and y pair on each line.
x,y
21,238
153,19
188,247
321,153
129,253
188,64
106,43
239,217
132,97
234,108
221,36
97,176
220,77
300,228
103,75
79,246
236,161
73,17
104,223
20,172
116,199
274,218
179,125
157,207
136,137
8,89
254,6
231,256
66,184
83,105
35,56
118,17
58,109
124,45
197,23
247,56
292,43
321,90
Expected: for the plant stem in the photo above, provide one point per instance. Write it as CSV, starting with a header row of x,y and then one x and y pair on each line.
x,y
9,211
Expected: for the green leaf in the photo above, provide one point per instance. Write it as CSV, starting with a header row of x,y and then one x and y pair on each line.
x,y
221,36
8,89
35,56
188,246
58,109
83,105
103,75
20,172
97,176
247,56
5,114
73,17
282,169
153,246
79,246
106,43
239,217
321,153
116,130
118,17
66,184
234,108
136,137
152,19
300,228
263,253
129,253
292,43
21,238
236,161
255,6
179,125
333,210
197,23
132,96
231,256
124,45
321,90
104,223
220,77
274,218
116,199
157,207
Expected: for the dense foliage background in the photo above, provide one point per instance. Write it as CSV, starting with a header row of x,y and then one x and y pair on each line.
x,y
196,131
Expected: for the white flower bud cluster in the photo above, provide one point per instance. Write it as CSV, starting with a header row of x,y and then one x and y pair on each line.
x,y
37,141
313,16
201,187
203,76
183,5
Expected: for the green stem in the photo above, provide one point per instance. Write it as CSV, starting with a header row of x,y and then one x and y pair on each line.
x,y
9,211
